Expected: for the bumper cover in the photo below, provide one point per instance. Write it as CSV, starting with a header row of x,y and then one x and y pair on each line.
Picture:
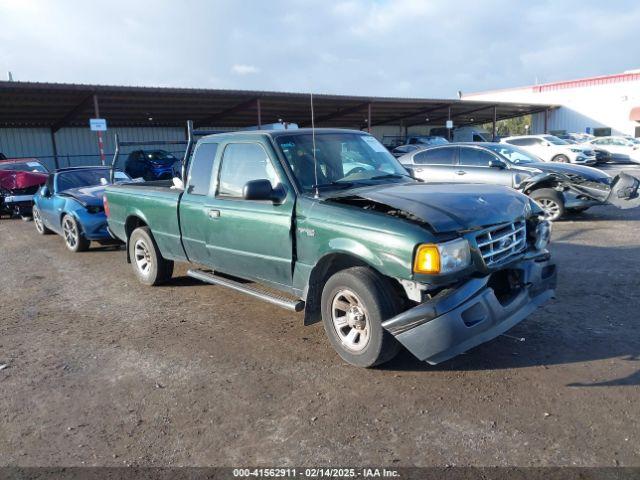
x,y
473,313
18,198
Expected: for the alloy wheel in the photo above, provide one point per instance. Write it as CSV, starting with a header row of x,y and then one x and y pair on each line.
x,y
142,257
70,232
550,207
350,320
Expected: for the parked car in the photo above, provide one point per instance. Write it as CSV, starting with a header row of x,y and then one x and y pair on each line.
x,y
380,258
558,188
70,204
576,137
620,149
553,149
152,165
19,181
464,134
404,149
426,140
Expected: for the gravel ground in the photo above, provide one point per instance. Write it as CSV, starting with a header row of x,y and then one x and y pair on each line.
x,y
104,371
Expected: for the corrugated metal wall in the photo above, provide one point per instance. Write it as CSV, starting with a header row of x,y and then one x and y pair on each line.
x,y
79,146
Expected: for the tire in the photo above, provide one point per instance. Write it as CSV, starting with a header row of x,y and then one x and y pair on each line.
x,y
371,300
39,224
551,202
73,237
560,159
149,265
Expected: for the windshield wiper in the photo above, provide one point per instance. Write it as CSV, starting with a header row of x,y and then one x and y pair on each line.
x,y
337,184
389,175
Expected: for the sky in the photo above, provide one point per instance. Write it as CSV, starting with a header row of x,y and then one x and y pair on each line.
x,y
403,48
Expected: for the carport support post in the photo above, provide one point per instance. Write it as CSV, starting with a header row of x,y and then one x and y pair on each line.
x,y
96,111
495,115
546,119
448,119
259,109
54,147
369,117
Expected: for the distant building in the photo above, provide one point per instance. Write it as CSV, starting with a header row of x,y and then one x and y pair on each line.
x,y
605,105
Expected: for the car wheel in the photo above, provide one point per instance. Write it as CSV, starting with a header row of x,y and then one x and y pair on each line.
x,y
550,201
37,221
355,302
560,159
73,237
150,266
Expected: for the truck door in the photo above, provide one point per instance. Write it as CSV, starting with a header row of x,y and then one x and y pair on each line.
x,y
250,238
195,223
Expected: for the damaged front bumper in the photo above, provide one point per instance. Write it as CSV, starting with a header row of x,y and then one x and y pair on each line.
x,y
475,312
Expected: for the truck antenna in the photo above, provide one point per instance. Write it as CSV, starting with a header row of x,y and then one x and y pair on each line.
x,y
315,160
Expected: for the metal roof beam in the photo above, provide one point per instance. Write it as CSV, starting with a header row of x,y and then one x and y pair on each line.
x,y
211,119
338,113
71,114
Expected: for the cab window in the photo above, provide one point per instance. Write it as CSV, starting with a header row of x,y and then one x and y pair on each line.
x,y
201,167
241,163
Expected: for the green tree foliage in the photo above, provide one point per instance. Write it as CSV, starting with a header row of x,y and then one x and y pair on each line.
x,y
511,126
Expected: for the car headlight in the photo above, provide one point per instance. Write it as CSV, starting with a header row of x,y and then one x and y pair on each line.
x,y
448,257
543,235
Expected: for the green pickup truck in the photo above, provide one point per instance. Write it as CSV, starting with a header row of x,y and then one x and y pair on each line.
x,y
329,223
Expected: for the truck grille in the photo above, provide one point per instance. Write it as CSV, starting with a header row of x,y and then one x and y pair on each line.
x,y
500,243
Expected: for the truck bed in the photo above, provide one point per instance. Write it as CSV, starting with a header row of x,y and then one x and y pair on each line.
x,y
154,204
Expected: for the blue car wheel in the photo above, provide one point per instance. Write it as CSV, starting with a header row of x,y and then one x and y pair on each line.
x,y
73,237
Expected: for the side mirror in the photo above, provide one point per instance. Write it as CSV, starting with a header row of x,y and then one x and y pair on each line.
x,y
497,164
262,190
44,191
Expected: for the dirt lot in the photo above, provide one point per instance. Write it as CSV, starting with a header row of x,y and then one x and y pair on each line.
x,y
104,371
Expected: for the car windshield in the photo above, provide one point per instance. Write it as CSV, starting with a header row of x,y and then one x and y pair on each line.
x,y
555,140
160,156
342,159
24,167
432,140
514,154
87,178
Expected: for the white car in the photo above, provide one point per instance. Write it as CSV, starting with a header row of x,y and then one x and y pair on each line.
x,y
554,149
621,148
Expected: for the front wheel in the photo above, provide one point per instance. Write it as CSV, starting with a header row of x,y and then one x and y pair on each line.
x,y
355,302
149,265
37,221
560,159
550,201
73,237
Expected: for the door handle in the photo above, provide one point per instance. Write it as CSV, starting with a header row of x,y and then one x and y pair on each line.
x,y
213,213
419,169
461,172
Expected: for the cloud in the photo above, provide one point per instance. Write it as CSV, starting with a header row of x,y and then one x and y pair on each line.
x,y
410,48
240,69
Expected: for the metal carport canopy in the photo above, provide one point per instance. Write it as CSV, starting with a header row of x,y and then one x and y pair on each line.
x,y
57,105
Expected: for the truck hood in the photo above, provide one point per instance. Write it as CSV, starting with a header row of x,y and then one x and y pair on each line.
x,y
447,207
87,196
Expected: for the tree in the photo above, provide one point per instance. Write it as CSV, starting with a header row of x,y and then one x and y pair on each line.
x,y
511,126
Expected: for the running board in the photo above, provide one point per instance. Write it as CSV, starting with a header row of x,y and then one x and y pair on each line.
x,y
293,305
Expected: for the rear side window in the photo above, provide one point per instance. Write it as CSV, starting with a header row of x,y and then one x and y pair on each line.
x,y
475,157
436,156
201,167
241,163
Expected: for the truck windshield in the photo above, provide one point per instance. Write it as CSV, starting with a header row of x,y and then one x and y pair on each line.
x,y
342,160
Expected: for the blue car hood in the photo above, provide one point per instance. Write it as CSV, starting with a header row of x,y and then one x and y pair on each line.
x,y
87,196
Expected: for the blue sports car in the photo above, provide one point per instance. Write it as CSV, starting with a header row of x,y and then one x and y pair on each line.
x,y
70,204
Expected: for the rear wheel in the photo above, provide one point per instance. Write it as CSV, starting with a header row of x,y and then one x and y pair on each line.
x,y
550,201
37,221
73,237
560,159
150,266
355,302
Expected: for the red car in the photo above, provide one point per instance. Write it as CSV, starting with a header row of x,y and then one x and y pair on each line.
x,y
20,179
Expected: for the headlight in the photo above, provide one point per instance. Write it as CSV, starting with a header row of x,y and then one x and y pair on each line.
x,y
448,257
543,235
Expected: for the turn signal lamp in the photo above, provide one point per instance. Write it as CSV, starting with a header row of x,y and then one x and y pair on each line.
x,y
427,259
